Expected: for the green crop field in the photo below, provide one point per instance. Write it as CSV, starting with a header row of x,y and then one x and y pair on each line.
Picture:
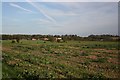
x,y
73,59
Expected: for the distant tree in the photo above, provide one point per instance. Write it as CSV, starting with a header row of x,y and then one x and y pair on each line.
x,y
104,37
18,40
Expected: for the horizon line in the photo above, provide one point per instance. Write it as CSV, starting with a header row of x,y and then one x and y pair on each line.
x,y
54,34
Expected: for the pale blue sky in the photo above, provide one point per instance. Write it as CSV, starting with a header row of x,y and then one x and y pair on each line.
x,y
81,18
61,0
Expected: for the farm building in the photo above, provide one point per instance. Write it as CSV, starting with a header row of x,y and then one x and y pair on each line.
x,y
115,38
34,39
45,39
58,39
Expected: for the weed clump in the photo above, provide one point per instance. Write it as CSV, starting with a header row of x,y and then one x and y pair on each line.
x,y
100,60
82,53
30,75
93,76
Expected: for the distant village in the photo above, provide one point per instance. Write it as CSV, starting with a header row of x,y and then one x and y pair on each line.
x,y
60,38
57,39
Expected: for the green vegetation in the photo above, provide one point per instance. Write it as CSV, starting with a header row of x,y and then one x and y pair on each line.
x,y
71,59
104,37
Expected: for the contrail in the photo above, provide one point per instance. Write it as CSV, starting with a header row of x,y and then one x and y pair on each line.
x,y
17,6
42,11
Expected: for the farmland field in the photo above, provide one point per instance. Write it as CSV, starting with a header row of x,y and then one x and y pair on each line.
x,y
73,59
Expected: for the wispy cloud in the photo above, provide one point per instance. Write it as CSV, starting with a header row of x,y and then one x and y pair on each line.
x,y
42,21
17,6
41,11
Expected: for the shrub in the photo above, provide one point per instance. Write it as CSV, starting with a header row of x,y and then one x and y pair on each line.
x,y
13,41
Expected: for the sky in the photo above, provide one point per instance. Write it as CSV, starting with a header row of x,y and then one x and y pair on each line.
x,y
60,18
61,0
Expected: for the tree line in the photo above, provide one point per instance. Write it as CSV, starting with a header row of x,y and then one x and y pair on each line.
x,y
64,37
